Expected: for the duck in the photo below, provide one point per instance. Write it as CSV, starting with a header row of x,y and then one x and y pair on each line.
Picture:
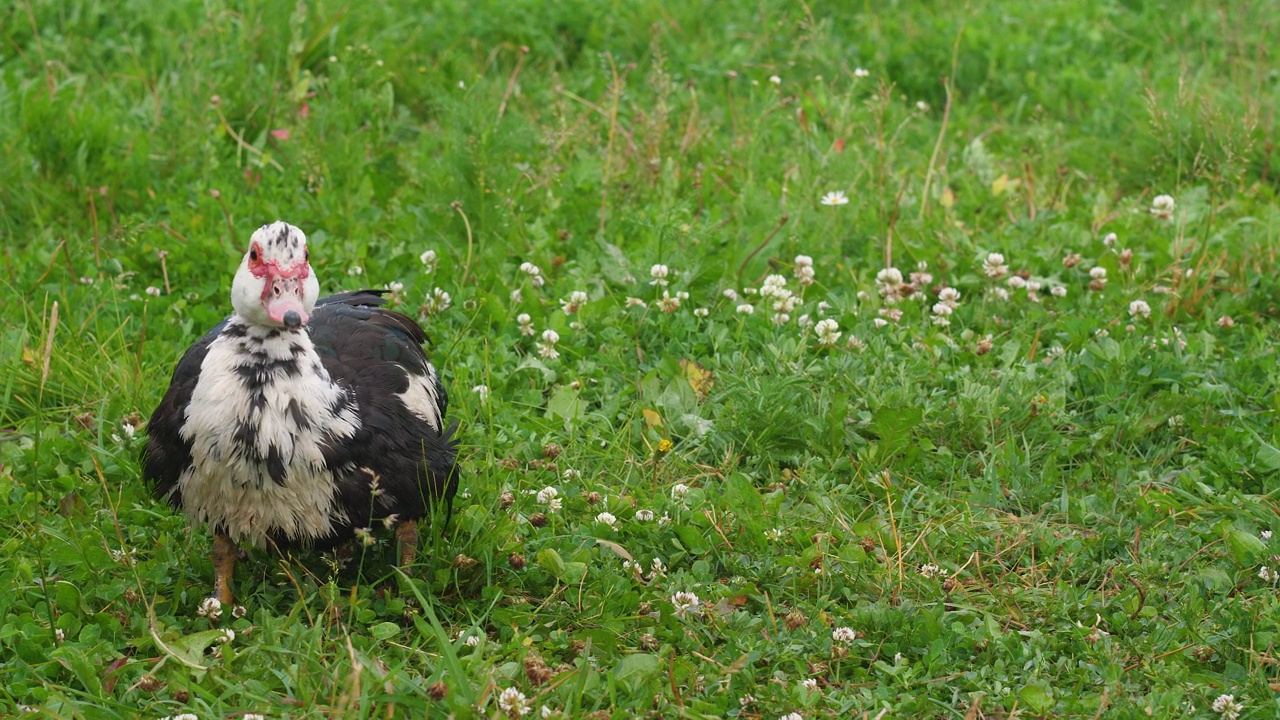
x,y
300,422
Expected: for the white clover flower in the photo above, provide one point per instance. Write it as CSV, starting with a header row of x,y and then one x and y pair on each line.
x,y
482,392
1017,282
861,72
786,302
930,571
1139,309
355,270
635,302
659,274
835,197
395,287
668,304
1227,707
228,635
746,309
253,716
994,266
437,302
880,322
59,635
774,286
701,312
805,322
889,276
791,716
428,258
686,602
516,296
1226,321
153,291
239,611
810,685
828,331
1098,273
659,569
210,607
534,272
1162,207
922,106
890,285
526,324
773,534
644,515
576,300
547,348
730,294
546,712
949,296
1266,574
1265,535
606,518
999,293
1109,240
679,491
844,635
1058,291
513,703
86,280
775,79
547,494
779,318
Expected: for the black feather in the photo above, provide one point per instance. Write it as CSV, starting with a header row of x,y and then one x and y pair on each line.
x,y
372,353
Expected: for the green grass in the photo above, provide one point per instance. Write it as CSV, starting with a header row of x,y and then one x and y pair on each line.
x,y
1066,520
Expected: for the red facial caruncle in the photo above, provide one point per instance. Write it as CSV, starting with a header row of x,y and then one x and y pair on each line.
x,y
283,288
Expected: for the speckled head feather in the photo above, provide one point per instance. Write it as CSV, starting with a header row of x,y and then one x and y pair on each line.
x,y
274,286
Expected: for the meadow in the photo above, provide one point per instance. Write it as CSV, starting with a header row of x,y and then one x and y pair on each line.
x,y
811,359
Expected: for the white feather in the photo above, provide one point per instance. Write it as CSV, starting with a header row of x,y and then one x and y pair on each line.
x,y
422,399
224,488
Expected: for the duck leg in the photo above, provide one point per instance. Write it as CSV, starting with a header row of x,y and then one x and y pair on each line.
x,y
407,542
224,565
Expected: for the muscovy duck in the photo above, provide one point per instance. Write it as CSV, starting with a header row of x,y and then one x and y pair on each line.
x,y
296,421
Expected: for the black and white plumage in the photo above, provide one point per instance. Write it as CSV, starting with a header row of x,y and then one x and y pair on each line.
x,y
297,421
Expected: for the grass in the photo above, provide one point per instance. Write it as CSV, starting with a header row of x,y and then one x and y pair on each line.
x,y
1052,508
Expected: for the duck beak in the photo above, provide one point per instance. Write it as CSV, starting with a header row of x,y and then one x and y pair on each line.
x,y
282,298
